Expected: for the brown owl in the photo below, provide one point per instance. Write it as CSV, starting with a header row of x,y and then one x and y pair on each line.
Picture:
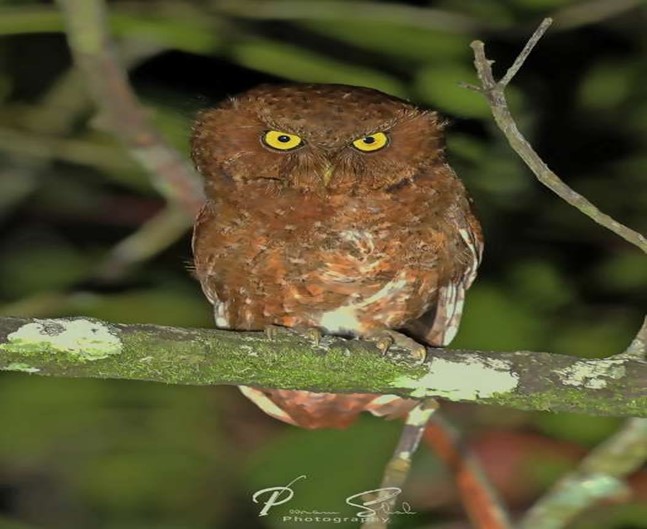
x,y
332,207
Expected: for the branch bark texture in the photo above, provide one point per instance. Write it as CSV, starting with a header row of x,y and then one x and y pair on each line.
x,y
82,347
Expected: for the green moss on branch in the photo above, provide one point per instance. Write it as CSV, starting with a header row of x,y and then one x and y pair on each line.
x,y
83,347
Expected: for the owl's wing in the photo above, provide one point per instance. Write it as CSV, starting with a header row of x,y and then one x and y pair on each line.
x,y
207,280
439,326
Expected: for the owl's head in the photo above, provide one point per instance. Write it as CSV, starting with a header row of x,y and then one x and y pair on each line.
x,y
326,139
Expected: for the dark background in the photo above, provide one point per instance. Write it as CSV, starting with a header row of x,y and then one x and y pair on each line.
x,y
122,455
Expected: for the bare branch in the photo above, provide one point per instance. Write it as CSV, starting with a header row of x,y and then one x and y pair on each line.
x,y
599,476
494,92
120,112
81,347
527,49
482,503
397,469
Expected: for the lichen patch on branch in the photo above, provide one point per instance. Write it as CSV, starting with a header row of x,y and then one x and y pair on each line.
x,y
469,379
82,339
593,374
19,366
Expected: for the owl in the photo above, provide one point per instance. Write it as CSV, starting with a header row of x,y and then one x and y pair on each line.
x,y
332,208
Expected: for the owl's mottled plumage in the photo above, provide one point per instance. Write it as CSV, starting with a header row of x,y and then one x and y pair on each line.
x,y
327,236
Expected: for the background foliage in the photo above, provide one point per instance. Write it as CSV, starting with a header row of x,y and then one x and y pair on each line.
x,y
108,455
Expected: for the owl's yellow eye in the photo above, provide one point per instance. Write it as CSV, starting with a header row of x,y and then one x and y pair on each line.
x,y
372,142
281,141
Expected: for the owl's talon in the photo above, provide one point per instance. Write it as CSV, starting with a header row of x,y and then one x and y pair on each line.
x,y
272,331
385,339
383,343
313,334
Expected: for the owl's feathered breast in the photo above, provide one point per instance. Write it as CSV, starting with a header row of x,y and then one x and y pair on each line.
x,y
344,264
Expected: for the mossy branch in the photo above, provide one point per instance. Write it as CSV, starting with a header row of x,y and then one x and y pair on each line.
x,y
83,347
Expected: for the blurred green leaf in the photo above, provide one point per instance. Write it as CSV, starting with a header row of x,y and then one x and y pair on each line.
x,y
540,284
30,269
187,31
401,42
606,86
623,271
594,338
495,320
43,416
16,184
624,516
303,65
539,5
161,306
438,86
175,126
581,429
490,169
6,523
141,481
497,13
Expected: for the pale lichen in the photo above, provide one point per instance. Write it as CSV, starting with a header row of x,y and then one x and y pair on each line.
x,y
593,374
466,379
82,339
18,366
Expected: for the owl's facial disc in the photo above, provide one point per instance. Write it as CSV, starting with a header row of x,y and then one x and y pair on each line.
x,y
318,139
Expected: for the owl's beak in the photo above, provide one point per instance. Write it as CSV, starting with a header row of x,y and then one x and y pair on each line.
x,y
326,176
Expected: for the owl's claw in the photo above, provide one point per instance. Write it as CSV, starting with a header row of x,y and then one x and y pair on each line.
x,y
385,339
272,331
312,334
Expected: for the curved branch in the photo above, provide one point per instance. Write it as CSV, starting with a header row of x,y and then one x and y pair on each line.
x,y
599,476
120,111
494,92
82,347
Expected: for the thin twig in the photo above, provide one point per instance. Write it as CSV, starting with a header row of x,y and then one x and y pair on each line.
x,y
527,49
483,506
494,92
599,476
120,111
397,469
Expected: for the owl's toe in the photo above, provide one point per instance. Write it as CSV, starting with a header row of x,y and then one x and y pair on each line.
x,y
386,340
272,331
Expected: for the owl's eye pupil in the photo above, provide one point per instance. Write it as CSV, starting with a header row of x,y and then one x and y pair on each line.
x,y
368,140
283,138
